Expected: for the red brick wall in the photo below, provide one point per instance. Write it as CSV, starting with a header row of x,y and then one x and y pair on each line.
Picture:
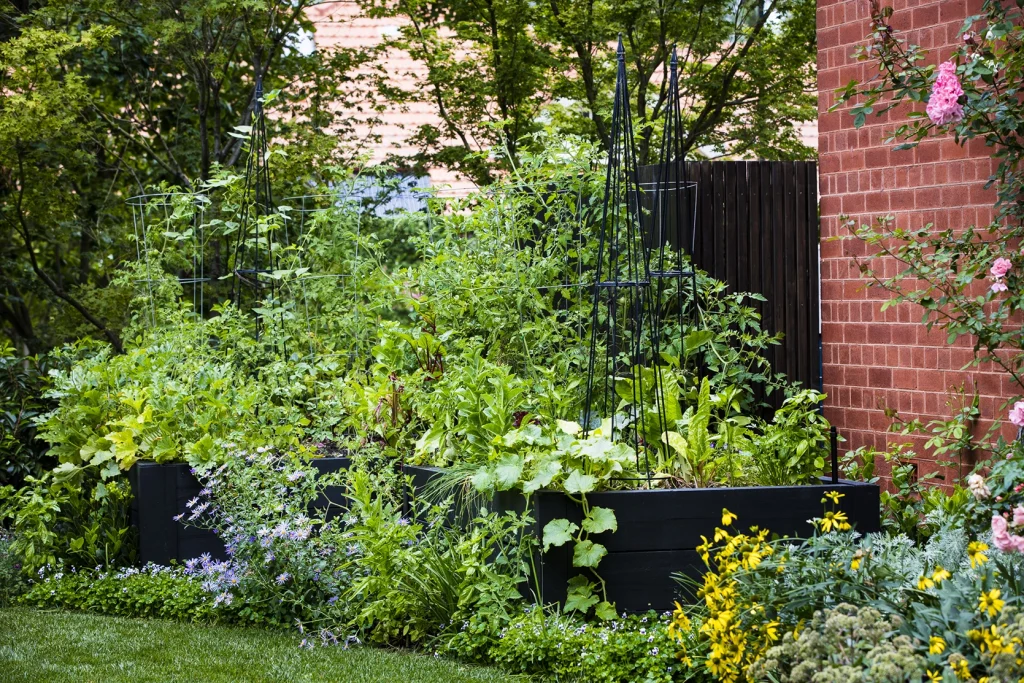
x,y
871,356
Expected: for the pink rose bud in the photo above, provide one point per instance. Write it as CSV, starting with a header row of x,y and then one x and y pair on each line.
x,y
998,287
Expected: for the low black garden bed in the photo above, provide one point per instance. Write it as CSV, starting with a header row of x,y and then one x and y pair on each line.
x,y
160,491
659,530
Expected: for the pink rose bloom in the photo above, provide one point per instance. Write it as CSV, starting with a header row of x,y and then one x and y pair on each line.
x,y
998,287
1000,534
1017,414
1018,515
1000,267
944,102
1016,543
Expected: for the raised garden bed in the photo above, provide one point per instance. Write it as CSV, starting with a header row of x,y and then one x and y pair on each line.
x,y
659,531
160,491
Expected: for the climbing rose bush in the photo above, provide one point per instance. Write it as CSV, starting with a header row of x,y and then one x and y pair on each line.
x,y
965,278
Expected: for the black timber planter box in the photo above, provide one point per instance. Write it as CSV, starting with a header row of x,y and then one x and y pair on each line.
x,y
659,530
160,491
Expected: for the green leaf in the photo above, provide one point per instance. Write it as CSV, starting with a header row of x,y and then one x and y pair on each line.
x,y
508,471
577,482
600,520
63,470
588,554
100,457
558,532
695,340
570,428
580,596
544,475
431,441
483,480
605,611
110,470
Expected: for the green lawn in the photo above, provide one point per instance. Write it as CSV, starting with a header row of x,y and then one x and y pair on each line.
x,y
64,646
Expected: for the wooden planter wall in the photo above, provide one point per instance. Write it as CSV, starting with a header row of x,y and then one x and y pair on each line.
x,y
659,531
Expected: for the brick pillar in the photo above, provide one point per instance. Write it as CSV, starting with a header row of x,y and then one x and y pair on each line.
x,y
873,357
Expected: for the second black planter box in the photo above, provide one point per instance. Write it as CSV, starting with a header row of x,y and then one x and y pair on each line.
x,y
659,530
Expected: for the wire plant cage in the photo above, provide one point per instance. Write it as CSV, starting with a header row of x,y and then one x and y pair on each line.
x,y
170,233
671,203
255,254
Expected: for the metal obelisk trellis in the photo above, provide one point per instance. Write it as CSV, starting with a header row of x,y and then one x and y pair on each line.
x,y
672,199
620,324
251,262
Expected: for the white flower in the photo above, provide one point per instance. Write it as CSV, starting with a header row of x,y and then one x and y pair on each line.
x,y
976,484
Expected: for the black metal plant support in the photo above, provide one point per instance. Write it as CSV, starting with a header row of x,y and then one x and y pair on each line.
x,y
254,256
672,198
620,324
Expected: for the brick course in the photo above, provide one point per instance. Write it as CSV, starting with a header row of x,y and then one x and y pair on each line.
x,y
873,357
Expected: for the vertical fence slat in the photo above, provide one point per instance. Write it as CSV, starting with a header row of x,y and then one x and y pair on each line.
x,y
801,224
718,178
814,277
742,244
730,246
754,222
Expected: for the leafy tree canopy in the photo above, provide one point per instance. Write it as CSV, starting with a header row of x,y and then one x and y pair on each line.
x,y
498,70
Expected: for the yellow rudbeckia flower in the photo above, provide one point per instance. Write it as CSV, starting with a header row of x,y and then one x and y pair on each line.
x,y
990,602
976,553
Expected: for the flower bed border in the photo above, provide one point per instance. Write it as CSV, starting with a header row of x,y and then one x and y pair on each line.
x,y
659,531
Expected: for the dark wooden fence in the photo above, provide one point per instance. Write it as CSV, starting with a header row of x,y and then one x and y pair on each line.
x,y
757,230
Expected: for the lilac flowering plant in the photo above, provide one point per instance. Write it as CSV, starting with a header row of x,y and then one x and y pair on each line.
x,y
281,565
372,572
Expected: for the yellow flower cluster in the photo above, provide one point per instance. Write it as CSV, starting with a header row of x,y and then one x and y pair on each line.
x,y
992,641
738,634
834,520
935,579
976,553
